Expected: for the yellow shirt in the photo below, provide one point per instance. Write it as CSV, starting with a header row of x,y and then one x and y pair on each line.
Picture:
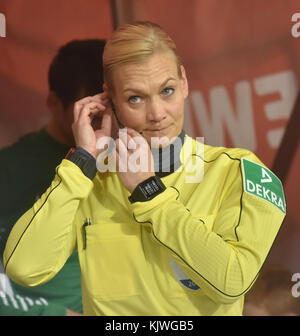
x,y
195,249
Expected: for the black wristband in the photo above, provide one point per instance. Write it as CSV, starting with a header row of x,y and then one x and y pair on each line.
x,y
147,190
84,160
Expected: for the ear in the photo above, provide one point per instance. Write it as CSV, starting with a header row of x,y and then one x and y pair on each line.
x,y
185,85
107,90
105,87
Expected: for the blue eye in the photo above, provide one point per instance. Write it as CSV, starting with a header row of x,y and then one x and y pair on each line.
x,y
134,99
168,91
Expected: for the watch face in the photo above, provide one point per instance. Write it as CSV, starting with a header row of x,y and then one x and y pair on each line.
x,y
147,190
150,188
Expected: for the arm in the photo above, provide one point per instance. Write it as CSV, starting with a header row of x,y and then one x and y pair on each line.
x,y
223,262
45,236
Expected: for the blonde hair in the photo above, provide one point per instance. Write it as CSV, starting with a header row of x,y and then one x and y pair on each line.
x,y
135,43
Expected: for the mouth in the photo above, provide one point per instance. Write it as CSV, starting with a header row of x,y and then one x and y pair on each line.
x,y
156,129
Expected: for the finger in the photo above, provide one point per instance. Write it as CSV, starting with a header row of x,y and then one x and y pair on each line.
x,y
76,110
132,132
79,105
132,144
135,133
145,161
123,135
101,97
133,140
106,123
120,147
128,141
89,110
137,138
121,156
98,118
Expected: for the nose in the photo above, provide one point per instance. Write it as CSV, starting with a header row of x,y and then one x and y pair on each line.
x,y
155,112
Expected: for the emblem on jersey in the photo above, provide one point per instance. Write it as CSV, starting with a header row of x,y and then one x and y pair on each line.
x,y
261,182
182,277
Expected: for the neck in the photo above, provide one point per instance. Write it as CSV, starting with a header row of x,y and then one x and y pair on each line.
x,y
57,133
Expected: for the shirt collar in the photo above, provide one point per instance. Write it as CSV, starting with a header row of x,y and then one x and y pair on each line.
x,y
167,159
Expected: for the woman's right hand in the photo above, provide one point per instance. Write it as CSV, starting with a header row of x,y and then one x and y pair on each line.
x,y
86,131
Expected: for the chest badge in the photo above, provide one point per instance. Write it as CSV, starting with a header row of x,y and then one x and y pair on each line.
x,y
182,277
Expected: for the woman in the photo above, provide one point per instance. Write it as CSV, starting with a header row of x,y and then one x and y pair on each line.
x,y
150,241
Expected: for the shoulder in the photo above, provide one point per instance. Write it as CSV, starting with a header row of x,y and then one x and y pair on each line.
x,y
233,167
231,164
26,142
228,156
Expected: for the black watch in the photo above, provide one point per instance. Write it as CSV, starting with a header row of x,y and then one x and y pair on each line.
x,y
84,160
147,190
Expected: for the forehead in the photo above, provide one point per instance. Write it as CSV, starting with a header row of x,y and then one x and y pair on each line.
x,y
151,72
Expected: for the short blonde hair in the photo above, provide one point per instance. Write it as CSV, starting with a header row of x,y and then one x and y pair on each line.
x,y
135,43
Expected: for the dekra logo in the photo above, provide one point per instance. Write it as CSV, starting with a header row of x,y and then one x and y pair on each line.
x,y
261,182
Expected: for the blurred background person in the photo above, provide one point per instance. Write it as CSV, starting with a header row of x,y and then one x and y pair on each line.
x,y
28,166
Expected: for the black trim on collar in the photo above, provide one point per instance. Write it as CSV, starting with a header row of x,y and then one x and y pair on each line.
x,y
167,159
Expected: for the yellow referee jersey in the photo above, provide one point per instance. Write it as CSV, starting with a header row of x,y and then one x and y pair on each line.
x,y
195,249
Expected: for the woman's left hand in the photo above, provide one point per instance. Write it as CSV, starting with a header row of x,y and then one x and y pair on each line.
x,y
134,159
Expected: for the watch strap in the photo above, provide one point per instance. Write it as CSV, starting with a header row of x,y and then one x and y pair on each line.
x,y
84,160
147,190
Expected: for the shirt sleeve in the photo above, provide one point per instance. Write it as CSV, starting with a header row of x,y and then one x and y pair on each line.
x,y
45,236
225,261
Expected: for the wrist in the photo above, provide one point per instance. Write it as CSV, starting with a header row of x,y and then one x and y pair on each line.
x,y
147,190
87,151
84,160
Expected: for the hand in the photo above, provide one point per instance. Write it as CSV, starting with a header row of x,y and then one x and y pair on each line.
x,y
133,158
92,120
